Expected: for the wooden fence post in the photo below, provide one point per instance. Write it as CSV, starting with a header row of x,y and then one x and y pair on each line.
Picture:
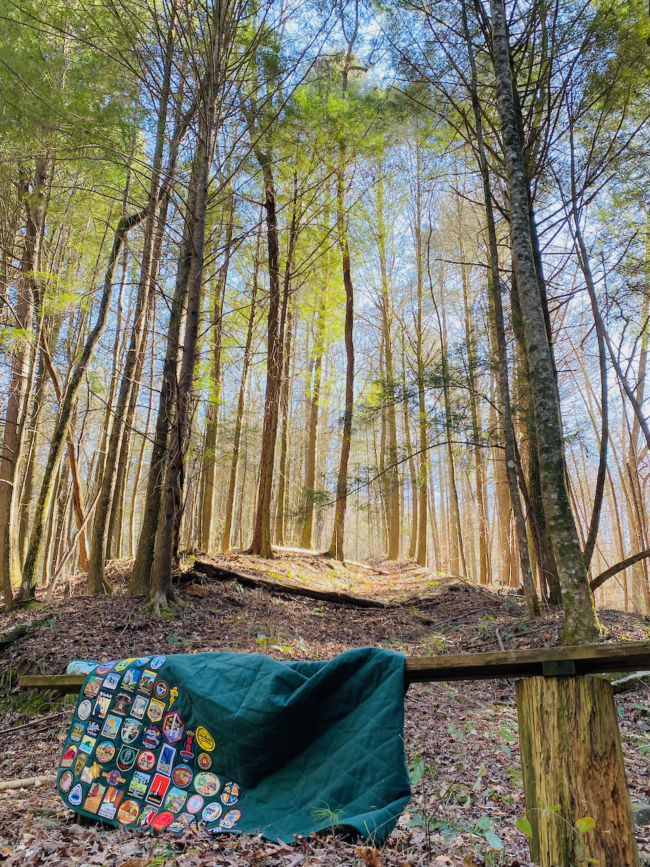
x,y
573,769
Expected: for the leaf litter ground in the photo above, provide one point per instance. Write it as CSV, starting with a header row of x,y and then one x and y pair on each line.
x,y
461,738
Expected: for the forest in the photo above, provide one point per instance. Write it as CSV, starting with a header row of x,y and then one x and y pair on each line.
x,y
364,279
324,330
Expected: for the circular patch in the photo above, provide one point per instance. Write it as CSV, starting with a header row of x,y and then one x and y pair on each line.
x,y
128,812
146,760
76,795
212,812
151,737
230,819
204,761
130,730
66,779
157,662
105,752
143,660
194,804
182,776
162,820
230,794
206,784
147,815
204,739
105,667
161,688
84,709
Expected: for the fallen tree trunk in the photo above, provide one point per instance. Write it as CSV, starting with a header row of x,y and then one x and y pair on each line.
x,y
10,635
210,570
28,781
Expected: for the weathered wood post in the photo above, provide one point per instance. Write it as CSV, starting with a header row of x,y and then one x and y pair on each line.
x,y
573,769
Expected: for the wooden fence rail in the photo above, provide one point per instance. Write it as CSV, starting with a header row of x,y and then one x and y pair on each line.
x,y
577,800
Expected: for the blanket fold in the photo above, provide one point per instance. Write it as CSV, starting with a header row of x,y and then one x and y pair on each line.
x,y
242,743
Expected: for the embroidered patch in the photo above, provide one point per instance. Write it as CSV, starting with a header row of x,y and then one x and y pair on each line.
x,y
139,783
131,678
111,726
151,737
128,812
139,706
65,781
212,812
93,685
130,730
110,803
182,776
146,681
156,710
187,753
142,660
122,702
77,732
173,727
230,794
157,662
90,773
146,760
126,758
105,667
206,784
68,757
175,800
158,789
161,688
84,709
230,819
161,821
204,761
146,817
88,744
105,752
102,704
194,804
76,795
204,739
94,799
166,760
111,681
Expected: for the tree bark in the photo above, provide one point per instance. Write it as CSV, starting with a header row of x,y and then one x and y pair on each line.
x,y
569,738
153,232
13,441
66,409
307,537
494,290
171,500
580,622
212,415
226,541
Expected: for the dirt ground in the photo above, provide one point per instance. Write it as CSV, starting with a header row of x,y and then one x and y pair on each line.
x,y
461,738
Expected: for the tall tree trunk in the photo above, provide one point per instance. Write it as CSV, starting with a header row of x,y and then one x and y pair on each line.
x,y
423,462
226,541
171,499
494,288
280,517
153,232
336,549
262,535
413,543
392,452
13,441
307,536
580,622
214,400
479,461
66,408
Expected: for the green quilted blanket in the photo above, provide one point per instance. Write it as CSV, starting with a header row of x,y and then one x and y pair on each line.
x,y
241,743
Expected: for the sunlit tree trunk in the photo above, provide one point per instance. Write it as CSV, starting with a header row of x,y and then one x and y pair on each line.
x,y
580,622
226,541
14,428
307,536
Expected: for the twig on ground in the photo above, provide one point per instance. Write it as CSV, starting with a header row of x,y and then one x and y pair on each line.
x,y
28,781
33,722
